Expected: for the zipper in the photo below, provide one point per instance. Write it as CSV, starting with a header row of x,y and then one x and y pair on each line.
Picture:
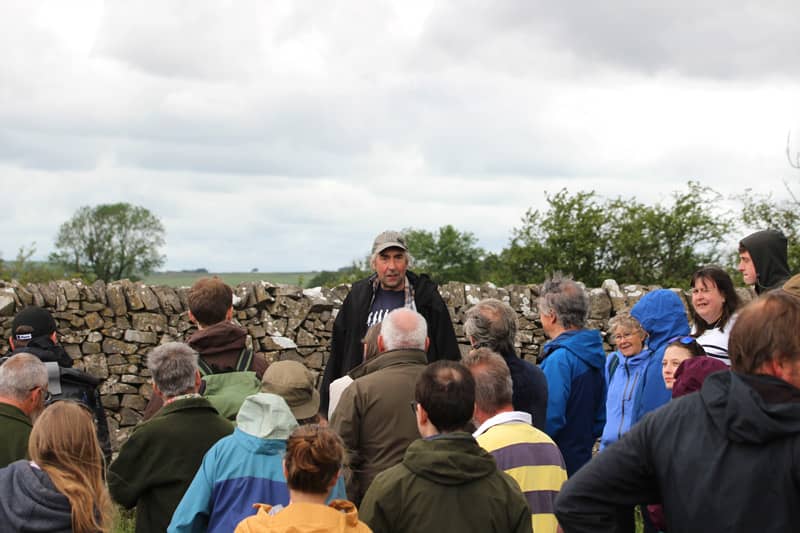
x,y
624,393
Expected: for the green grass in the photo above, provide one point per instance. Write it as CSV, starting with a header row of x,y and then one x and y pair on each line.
x,y
124,521
186,279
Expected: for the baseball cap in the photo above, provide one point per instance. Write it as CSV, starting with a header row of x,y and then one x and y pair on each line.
x,y
293,382
389,239
35,317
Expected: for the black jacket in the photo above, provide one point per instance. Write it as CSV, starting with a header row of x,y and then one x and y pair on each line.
x,y
46,350
529,388
351,325
767,249
726,459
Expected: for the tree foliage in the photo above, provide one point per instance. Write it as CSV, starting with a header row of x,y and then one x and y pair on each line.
x,y
111,241
762,211
446,254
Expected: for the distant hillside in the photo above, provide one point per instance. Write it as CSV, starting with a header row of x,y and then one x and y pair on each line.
x,y
181,279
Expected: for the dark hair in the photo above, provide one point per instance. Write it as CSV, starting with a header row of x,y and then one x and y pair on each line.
x,y
370,341
446,390
724,284
765,330
314,455
209,300
689,344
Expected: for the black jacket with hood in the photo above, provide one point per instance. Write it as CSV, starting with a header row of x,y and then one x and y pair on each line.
x,y
351,325
768,250
725,459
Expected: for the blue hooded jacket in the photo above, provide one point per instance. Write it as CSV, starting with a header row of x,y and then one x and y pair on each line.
x,y
576,404
625,387
663,316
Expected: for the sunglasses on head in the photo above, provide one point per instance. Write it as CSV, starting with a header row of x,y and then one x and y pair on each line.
x,y
684,339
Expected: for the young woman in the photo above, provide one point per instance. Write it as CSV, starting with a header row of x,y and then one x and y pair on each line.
x,y
312,464
678,350
714,305
61,487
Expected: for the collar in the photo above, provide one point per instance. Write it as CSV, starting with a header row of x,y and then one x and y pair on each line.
x,y
503,418
181,397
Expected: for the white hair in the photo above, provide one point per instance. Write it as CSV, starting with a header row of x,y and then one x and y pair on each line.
x,y
20,374
398,333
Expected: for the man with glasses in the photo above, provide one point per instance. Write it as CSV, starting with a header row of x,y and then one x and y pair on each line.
x,y
372,416
23,394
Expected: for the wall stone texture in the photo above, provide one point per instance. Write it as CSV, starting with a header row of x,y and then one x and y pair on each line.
x,y
108,329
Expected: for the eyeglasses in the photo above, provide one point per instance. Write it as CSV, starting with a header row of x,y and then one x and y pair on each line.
x,y
620,336
45,393
684,339
414,407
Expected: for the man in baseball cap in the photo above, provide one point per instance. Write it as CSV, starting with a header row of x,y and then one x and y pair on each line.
x,y
391,286
33,330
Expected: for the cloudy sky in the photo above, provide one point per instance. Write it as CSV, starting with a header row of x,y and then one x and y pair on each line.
x,y
284,135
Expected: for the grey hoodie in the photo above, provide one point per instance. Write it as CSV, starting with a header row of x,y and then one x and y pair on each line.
x,y
29,502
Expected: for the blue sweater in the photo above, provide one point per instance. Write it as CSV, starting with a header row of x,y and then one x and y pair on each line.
x,y
573,366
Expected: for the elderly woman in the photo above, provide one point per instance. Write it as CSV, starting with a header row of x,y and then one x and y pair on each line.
x,y
714,305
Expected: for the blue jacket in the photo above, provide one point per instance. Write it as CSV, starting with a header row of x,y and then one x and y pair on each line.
x,y
663,316
626,386
240,470
573,366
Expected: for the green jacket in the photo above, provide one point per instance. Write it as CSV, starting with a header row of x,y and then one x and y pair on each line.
x,y
446,483
158,462
374,416
15,428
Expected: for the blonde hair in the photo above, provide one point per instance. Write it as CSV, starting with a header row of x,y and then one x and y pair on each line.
x,y
625,320
63,443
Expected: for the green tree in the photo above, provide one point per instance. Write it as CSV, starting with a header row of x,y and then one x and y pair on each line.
x,y
447,254
762,211
111,241
25,270
349,274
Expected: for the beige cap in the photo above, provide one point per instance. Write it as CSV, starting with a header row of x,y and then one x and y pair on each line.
x,y
293,382
793,285
389,239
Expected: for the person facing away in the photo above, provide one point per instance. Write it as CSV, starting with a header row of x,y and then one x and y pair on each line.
x,y
725,459
372,415
446,481
33,330
391,286
763,260
158,461
220,343
493,324
61,488
522,451
370,343
245,467
23,392
311,466
714,306
573,365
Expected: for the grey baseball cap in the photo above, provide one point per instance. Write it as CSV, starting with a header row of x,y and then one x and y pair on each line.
x,y
389,239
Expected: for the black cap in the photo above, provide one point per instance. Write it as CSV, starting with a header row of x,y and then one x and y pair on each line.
x,y
35,317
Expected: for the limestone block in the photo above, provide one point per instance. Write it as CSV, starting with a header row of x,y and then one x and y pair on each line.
x,y
99,290
94,336
453,294
616,296
25,296
149,299
115,346
92,306
71,292
95,365
73,350
128,417
143,337
8,304
93,321
168,298
599,304
116,359
256,331
319,300
133,401
90,348
110,401
132,296
116,299
261,292
149,322
38,298
146,390
276,342
314,360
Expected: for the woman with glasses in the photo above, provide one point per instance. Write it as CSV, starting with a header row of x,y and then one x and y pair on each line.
x,y
714,306
61,488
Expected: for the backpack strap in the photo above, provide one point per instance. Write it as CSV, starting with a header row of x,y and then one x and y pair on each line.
x,y
205,368
245,360
612,366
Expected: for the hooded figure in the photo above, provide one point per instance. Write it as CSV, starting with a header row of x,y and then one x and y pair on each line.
x,y
768,252
242,469
663,316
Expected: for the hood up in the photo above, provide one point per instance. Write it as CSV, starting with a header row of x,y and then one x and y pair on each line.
x,y
767,249
662,315
737,406
266,416
449,459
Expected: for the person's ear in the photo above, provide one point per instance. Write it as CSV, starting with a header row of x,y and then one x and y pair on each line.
x,y
427,343
229,314
198,379
11,342
157,391
381,344
192,318
54,337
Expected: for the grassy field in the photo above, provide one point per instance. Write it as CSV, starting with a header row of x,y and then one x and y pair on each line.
x,y
185,279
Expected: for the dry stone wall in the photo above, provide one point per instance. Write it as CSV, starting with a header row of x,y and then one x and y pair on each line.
x,y
108,329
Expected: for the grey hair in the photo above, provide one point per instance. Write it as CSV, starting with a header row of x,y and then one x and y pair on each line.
x,y
564,297
493,385
398,336
173,366
20,374
493,324
374,256
625,320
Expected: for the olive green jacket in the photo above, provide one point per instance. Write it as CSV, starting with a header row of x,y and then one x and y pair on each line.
x,y
15,428
158,462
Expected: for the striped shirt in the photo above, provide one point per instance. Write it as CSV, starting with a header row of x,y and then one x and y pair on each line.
x,y
530,457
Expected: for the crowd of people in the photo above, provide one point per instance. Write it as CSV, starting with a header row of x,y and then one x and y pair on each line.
x,y
684,426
